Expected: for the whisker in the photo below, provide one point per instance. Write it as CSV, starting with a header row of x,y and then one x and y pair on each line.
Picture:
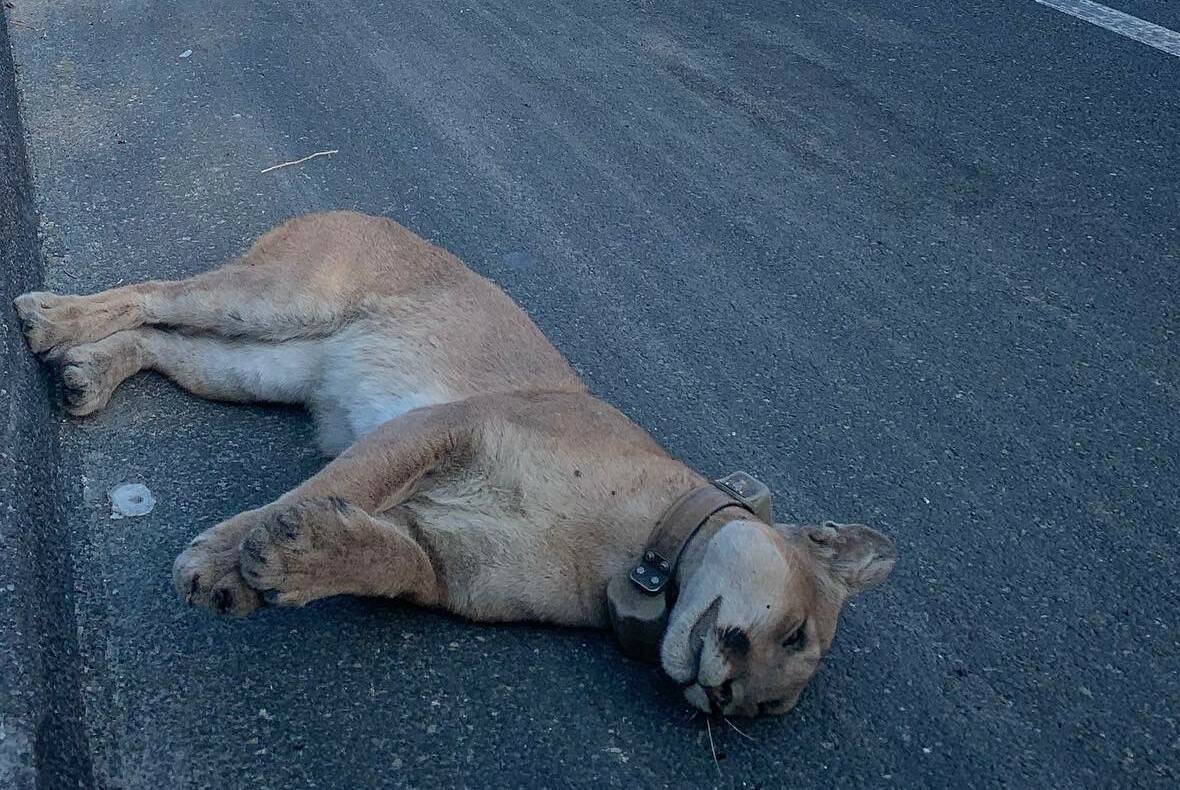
x,y
713,747
737,730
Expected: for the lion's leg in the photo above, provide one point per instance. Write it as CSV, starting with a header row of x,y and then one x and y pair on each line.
x,y
316,548
290,284
271,303
231,370
333,513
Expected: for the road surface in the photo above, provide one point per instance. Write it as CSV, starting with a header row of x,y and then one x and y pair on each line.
x,y
913,264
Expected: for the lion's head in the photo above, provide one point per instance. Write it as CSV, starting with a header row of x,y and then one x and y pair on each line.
x,y
758,608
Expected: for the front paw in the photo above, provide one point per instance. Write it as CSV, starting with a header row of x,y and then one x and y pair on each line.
x,y
207,574
292,557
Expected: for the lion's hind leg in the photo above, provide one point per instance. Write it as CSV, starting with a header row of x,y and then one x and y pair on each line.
x,y
215,368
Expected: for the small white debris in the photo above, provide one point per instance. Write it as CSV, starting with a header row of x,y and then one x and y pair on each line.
x,y
130,499
300,161
188,53
264,714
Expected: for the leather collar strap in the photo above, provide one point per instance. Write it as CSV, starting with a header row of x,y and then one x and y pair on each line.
x,y
676,527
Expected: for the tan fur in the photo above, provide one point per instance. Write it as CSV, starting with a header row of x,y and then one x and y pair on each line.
x,y
474,471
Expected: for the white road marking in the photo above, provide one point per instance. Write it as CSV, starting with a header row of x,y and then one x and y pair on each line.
x,y
1124,24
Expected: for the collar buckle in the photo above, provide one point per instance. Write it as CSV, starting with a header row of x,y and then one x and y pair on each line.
x,y
653,572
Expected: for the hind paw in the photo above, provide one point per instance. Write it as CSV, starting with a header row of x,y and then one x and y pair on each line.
x,y
53,323
90,373
41,321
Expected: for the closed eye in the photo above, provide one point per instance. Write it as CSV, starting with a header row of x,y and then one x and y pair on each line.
x,y
770,706
797,639
735,641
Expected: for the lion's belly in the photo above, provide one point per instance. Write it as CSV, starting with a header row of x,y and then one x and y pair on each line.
x,y
368,379
375,370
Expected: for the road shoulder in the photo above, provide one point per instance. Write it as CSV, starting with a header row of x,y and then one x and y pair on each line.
x,y
40,721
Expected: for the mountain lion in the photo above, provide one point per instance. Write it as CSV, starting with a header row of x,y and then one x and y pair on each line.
x,y
472,470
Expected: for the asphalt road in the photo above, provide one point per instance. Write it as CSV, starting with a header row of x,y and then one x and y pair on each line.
x,y
913,263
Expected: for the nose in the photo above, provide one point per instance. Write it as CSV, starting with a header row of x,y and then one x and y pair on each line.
x,y
719,696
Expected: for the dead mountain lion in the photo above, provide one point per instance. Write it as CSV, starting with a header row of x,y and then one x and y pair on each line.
x,y
473,471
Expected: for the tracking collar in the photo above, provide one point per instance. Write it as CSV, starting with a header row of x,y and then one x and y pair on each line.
x,y
640,600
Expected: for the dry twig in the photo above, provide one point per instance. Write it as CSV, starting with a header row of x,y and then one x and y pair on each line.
x,y
301,161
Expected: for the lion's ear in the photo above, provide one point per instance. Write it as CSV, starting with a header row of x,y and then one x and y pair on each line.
x,y
857,556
